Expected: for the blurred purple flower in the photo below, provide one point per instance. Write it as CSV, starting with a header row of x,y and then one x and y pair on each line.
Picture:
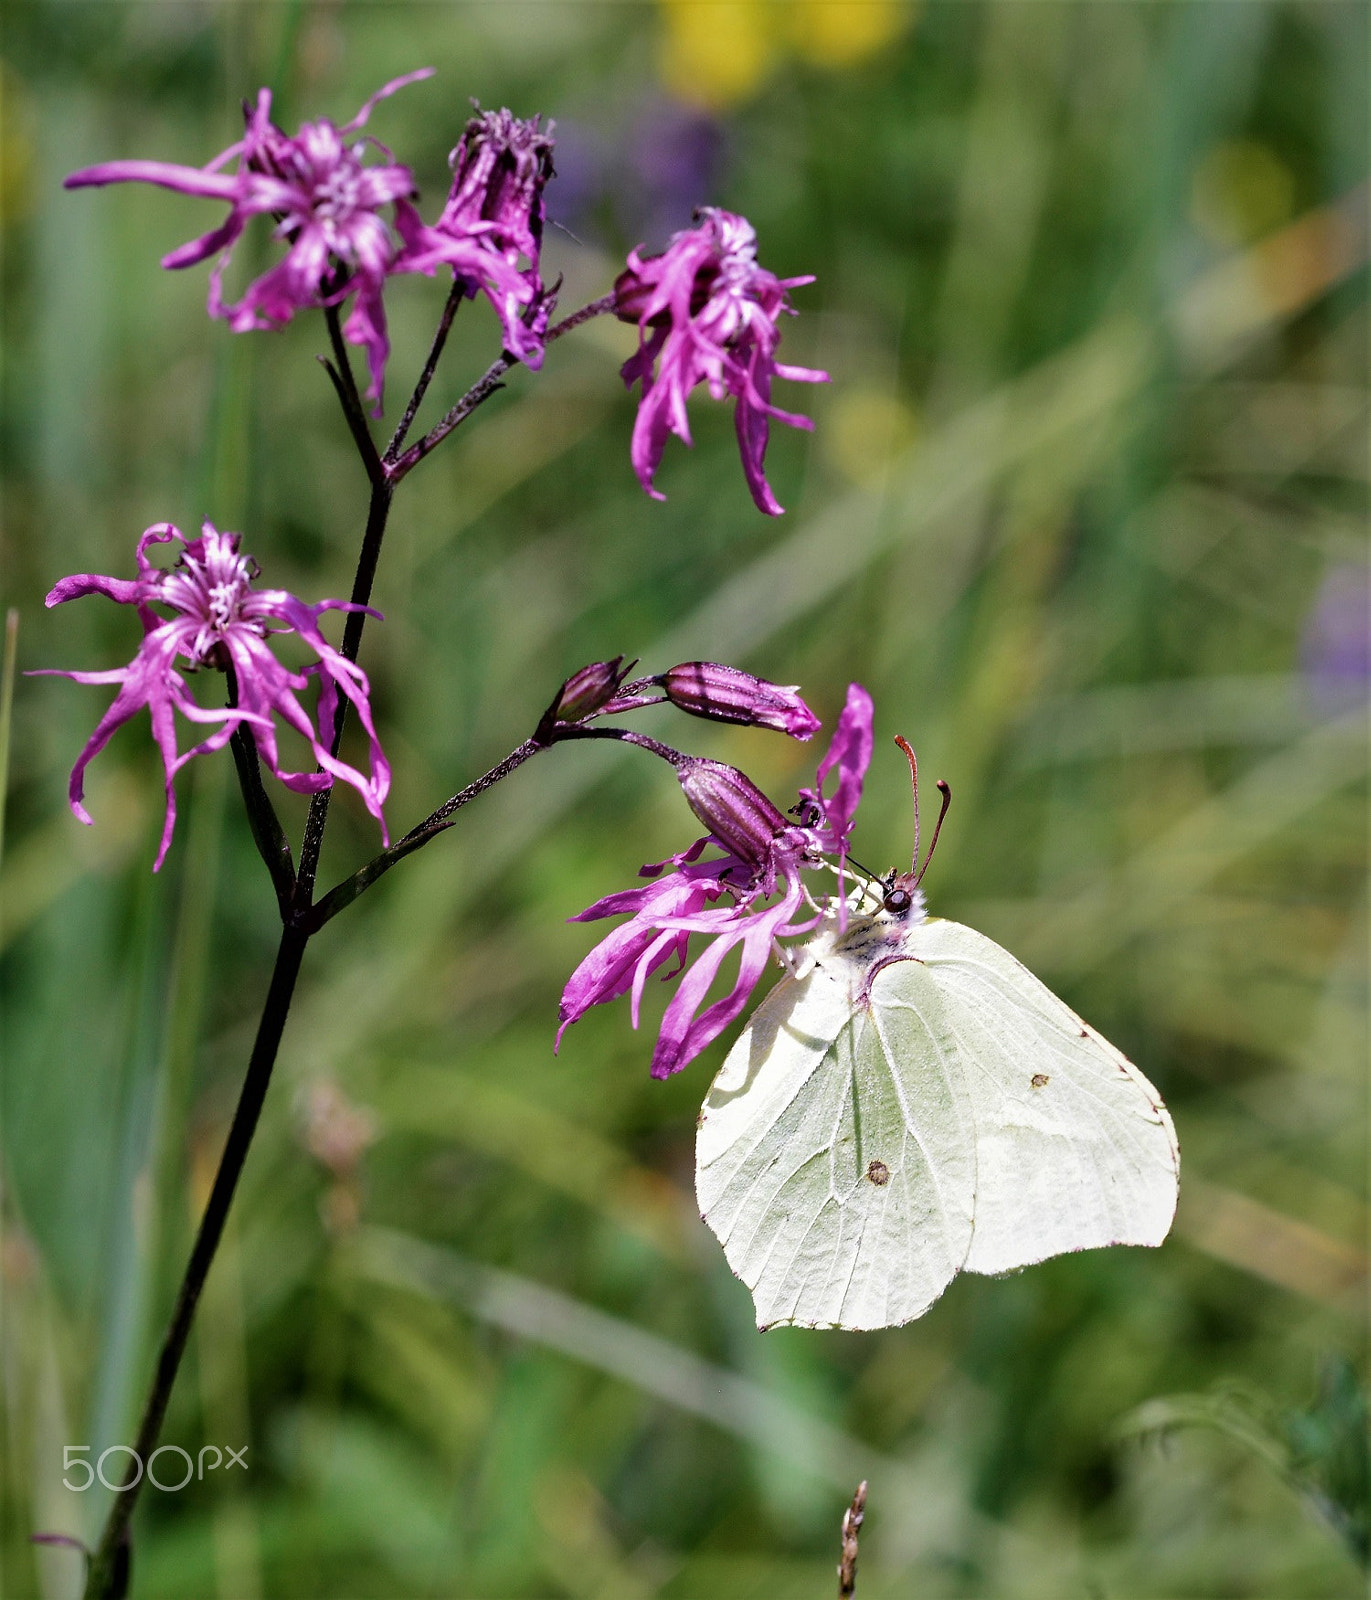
x,y
1335,652
326,205
493,219
219,620
674,153
763,856
648,173
707,313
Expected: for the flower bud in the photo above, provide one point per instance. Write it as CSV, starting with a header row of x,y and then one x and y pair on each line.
x,y
587,691
634,292
725,694
631,296
732,807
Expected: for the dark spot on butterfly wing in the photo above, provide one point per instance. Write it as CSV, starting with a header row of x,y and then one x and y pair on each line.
x,y
1039,1080
878,1173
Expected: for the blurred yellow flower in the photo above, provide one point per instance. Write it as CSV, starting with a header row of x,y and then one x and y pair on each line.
x,y
840,32
717,52
865,431
16,146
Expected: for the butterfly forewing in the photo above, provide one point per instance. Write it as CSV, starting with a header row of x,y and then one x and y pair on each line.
x,y
1074,1149
835,1158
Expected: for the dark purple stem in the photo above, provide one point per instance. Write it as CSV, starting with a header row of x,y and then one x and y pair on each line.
x,y
628,736
347,891
267,833
487,385
349,398
108,1574
455,297
382,493
103,1574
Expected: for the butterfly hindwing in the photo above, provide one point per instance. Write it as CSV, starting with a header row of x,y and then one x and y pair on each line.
x,y
835,1159
1074,1149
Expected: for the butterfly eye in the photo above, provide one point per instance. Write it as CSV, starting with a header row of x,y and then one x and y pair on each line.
x,y
897,901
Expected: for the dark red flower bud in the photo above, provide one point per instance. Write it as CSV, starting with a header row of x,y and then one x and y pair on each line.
x,y
732,807
631,295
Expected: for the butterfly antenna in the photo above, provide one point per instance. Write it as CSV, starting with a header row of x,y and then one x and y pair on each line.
x,y
914,784
946,793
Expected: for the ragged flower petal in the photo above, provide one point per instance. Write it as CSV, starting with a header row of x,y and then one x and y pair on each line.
x,y
746,897
707,313
326,201
218,620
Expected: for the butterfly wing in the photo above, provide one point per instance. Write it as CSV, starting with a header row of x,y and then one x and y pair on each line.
x,y
835,1157
1074,1148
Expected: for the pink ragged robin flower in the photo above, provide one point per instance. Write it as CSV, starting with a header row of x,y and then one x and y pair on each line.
x,y
218,620
490,232
707,313
327,206
748,895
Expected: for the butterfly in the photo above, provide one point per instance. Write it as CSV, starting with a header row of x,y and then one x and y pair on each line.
x,y
912,1103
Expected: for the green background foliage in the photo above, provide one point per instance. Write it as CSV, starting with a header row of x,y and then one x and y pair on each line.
x,y
1090,284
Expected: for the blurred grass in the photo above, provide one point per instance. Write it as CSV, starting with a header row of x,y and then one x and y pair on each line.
x,y
1091,283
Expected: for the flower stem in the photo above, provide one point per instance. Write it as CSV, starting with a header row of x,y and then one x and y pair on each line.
x,y
346,892
103,1573
378,513
108,1572
596,308
628,736
267,833
349,398
361,434
382,493
454,300
481,390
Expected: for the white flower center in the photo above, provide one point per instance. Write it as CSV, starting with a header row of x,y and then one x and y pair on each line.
x,y
336,194
214,590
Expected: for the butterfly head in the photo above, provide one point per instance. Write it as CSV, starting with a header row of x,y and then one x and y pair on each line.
x,y
881,911
902,900
877,927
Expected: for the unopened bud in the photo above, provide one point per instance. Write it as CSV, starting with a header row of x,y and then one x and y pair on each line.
x,y
588,690
732,807
633,295
726,694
